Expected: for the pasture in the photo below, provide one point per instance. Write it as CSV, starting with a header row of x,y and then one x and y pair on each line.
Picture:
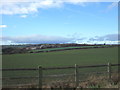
x,y
81,57
61,58
91,56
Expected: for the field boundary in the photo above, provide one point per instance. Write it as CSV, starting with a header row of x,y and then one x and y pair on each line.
x,y
52,68
67,48
40,70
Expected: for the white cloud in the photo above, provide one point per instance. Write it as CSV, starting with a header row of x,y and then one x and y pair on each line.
x,y
109,39
114,4
23,16
35,39
102,42
3,26
25,6
10,7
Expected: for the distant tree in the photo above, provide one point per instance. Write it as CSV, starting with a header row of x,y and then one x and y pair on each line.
x,y
8,50
13,50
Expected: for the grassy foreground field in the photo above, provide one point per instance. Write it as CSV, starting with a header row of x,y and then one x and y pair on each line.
x,y
62,58
91,56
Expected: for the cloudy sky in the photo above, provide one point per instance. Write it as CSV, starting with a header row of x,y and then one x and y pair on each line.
x,y
59,21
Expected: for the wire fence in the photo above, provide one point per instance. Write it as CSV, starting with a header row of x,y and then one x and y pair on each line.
x,y
44,77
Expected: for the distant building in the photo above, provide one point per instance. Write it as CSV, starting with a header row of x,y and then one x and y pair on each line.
x,y
42,46
33,48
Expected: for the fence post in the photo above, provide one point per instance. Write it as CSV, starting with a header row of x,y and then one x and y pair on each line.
x,y
76,76
40,77
109,71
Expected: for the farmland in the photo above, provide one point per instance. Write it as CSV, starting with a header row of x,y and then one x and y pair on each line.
x,y
82,57
62,58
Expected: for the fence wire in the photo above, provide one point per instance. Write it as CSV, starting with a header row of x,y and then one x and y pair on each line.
x,y
52,77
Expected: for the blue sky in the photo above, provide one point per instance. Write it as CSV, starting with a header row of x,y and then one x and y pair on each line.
x,y
65,22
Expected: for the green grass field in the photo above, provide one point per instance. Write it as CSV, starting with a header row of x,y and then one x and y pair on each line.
x,y
62,58
91,56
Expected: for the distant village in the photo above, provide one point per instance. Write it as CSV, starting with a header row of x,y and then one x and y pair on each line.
x,y
11,49
34,47
44,46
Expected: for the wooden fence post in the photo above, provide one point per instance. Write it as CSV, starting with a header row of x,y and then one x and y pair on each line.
x,y
109,71
76,76
40,77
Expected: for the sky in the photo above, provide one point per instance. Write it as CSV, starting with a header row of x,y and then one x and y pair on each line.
x,y
58,21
